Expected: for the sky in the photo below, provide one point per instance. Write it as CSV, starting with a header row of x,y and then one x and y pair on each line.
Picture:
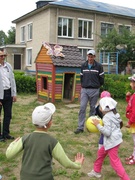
x,y
13,9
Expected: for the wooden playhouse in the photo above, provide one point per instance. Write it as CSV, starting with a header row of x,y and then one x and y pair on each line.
x,y
58,73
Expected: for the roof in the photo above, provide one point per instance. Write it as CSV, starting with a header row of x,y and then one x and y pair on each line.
x,y
83,5
72,57
96,6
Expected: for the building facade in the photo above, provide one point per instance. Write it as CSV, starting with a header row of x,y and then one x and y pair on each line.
x,y
67,22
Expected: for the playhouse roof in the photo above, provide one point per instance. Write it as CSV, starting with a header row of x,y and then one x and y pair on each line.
x,y
70,56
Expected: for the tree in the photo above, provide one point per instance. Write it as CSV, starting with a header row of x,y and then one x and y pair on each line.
x,y
124,39
7,39
11,36
3,37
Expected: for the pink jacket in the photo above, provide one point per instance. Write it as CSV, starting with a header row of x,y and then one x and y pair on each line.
x,y
130,109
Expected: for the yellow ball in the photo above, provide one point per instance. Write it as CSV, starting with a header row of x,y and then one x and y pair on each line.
x,y
90,126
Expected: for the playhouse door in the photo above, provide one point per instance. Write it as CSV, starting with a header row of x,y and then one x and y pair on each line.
x,y
68,86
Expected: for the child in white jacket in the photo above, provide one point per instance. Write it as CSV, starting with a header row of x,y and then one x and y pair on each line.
x,y
112,139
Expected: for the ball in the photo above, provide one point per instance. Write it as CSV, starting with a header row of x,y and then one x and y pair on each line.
x,y
90,126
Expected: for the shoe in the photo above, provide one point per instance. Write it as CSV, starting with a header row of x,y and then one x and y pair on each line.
x,y
78,131
94,174
129,158
9,137
131,162
2,139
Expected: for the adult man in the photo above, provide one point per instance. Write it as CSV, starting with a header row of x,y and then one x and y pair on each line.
x,y
92,78
7,94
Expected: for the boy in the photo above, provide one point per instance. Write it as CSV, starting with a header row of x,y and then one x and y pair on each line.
x,y
39,148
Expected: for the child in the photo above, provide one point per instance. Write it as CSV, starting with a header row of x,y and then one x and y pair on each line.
x,y
39,148
100,114
112,139
130,114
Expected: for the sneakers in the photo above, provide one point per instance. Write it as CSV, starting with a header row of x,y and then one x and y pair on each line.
x,y
94,174
77,131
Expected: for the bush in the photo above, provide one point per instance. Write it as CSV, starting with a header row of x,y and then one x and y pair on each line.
x,y
117,85
25,83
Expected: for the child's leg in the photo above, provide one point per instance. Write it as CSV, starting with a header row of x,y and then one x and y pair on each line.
x,y
131,160
101,154
134,145
116,163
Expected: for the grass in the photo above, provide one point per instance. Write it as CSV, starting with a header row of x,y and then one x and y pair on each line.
x,y
64,123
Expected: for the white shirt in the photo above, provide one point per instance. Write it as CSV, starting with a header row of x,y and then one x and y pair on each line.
x,y
5,76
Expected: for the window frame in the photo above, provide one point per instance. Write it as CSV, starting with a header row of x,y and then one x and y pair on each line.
x,y
86,20
124,25
107,23
29,31
67,30
42,83
28,58
23,33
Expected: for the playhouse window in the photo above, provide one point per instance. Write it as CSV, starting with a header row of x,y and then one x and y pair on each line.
x,y
44,83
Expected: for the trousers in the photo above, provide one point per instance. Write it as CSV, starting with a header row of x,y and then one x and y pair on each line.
x,y
7,109
91,96
114,161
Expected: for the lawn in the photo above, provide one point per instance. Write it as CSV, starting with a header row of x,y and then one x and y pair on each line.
x,y
64,123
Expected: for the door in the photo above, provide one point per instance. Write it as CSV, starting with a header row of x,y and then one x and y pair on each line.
x,y
68,86
17,62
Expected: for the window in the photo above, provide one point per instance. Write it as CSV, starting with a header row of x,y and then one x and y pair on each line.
x,y
29,57
65,27
105,28
85,29
23,34
84,53
108,57
30,31
122,28
44,83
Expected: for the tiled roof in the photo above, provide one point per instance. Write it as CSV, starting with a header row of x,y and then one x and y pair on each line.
x,y
96,6
73,57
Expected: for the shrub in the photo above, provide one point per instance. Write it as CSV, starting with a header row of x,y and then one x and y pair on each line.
x,y
117,85
25,83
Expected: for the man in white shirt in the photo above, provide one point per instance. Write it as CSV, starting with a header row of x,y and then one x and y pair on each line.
x,y
7,95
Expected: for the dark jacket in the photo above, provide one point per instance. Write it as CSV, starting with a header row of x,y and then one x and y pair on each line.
x,y
93,77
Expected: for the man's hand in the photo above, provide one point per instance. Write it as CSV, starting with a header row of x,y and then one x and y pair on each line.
x,y
14,99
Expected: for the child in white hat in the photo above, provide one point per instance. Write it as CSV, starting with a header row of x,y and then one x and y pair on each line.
x,y
39,148
100,114
112,139
130,114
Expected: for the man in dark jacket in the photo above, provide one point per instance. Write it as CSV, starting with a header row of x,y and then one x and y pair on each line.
x,y
92,78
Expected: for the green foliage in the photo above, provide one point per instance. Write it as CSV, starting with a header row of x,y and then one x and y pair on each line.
x,y
11,36
112,39
25,83
117,85
3,37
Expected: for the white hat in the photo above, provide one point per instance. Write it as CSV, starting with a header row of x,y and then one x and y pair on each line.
x,y
107,103
91,52
42,114
132,78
